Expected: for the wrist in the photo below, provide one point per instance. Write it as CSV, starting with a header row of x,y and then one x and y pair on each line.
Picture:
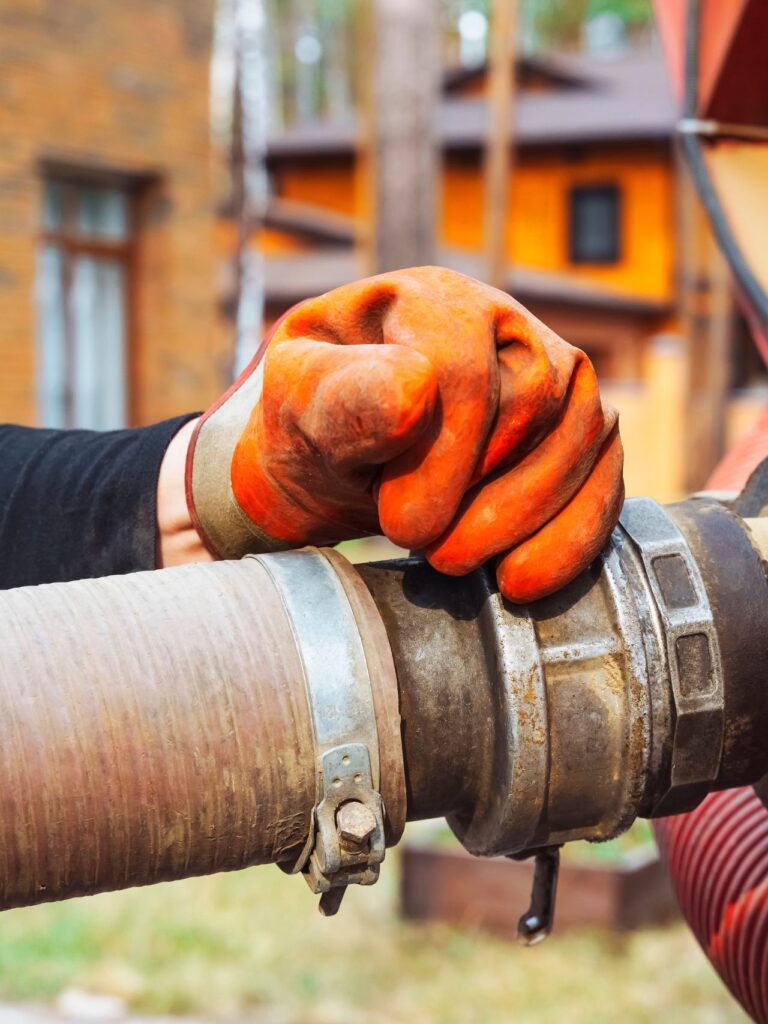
x,y
179,543
222,523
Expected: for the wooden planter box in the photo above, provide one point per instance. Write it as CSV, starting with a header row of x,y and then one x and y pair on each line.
x,y
449,885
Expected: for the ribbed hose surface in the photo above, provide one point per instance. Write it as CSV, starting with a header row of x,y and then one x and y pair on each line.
x,y
718,861
153,726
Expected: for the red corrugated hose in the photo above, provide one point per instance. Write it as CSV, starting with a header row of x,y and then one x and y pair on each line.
x,y
717,857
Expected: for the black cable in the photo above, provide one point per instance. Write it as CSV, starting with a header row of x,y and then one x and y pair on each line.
x,y
692,148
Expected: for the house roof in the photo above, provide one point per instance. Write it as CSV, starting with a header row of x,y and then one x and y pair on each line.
x,y
293,277
309,221
625,99
556,70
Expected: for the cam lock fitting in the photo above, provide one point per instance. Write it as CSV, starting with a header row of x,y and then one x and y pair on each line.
x,y
632,692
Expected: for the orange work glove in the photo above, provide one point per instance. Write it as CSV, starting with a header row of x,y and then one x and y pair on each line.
x,y
423,405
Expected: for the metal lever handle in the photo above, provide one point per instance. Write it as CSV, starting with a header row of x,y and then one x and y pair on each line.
x,y
536,923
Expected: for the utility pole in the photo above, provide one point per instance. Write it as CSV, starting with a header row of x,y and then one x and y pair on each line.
x,y
399,145
499,151
719,346
706,314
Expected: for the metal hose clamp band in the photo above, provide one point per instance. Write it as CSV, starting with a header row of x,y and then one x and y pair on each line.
x,y
339,691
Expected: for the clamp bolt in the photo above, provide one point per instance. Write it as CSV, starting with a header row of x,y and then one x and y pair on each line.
x,y
355,822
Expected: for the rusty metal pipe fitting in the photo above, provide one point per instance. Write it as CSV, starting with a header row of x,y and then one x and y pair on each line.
x,y
291,708
634,691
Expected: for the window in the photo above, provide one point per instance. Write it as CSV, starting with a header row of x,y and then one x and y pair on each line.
x,y
82,286
594,224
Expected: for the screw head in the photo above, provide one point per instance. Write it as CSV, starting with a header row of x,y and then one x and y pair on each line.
x,y
355,822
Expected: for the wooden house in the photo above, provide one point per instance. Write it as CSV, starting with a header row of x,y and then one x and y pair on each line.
x,y
595,242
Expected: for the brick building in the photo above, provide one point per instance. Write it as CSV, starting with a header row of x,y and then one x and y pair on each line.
x,y
107,262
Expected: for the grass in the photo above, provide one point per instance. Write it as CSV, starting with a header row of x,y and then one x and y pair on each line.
x,y
638,838
252,944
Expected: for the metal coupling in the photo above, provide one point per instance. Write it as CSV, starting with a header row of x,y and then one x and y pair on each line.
x,y
686,652
633,692
610,696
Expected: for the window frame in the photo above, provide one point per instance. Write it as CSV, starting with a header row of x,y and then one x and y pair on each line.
x,y
72,244
612,188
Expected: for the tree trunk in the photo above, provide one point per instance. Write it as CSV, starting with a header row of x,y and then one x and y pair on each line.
x,y
499,152
400,137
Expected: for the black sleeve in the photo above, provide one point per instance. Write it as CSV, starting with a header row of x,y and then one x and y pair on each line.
x,y
79,503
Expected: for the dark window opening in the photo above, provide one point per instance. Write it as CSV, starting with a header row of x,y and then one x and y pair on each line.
x,y
83,279
594,215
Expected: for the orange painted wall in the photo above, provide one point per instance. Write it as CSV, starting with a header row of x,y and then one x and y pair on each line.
x,y
330,185
537,235
538,226
272,240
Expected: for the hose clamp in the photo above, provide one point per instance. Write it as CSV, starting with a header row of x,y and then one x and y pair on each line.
x,y
346,841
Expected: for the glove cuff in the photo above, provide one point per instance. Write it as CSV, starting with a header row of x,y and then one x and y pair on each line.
x,y
216,514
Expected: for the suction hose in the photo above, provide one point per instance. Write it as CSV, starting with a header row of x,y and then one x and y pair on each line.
x,y
157,725
717,857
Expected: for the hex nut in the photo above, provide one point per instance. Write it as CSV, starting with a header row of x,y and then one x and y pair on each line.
x,y
355,822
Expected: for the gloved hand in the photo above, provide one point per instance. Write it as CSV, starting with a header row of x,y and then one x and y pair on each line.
x,y
420,404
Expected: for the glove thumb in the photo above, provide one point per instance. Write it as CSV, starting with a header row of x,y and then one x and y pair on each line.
x,y
356,405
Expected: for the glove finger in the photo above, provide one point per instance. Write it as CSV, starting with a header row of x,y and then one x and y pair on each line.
x,y
567,544
353,314
513,504
535,368
450,320
421,489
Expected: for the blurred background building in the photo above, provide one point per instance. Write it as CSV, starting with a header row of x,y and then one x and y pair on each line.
x,y
171,172
107,259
